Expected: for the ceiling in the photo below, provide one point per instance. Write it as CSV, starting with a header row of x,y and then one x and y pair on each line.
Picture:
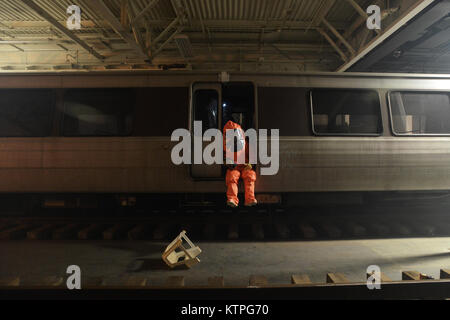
x,y
421,46
224,35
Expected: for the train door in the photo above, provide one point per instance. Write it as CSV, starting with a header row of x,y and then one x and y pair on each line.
x,y
214,104
206,99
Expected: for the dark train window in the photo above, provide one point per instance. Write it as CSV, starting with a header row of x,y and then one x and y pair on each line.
x,y
345,112
160,110
285,109
415,113
26,112
238,104
206,108
98,112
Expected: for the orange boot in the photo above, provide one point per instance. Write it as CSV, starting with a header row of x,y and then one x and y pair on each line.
x,y
232,180
249,177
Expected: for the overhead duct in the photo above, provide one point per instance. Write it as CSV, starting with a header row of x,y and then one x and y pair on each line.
x,y
184,45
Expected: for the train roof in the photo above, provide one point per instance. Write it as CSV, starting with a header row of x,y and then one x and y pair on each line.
x,y
111,79
246,73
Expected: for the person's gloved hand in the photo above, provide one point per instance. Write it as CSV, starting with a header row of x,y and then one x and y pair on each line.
x,y
248,166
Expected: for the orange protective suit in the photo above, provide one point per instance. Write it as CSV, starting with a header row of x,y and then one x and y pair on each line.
x,y
237,171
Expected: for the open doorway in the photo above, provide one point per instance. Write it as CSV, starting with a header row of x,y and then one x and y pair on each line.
x,y
214,104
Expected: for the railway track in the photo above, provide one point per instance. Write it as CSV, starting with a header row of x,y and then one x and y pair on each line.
x,y
414,285
224,224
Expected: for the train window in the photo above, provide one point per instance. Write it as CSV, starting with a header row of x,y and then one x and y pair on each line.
x,y
238,104
26,112
206,108
415,113
168,105
285,109
98,112
345,112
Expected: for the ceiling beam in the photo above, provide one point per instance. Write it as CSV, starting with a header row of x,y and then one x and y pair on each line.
x,y
124,13
226,24
401,36
363,17
161,47
320,18
144,11
323,11
100,7
171,26
339,36
12,45
333,44
44,14
358,9
136,30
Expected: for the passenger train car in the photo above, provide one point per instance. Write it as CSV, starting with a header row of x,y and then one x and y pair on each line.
x,y
68,138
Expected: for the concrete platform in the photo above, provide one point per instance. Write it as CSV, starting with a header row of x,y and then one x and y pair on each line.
x,y
234,261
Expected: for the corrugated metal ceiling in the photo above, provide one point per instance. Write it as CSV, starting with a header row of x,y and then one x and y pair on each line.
x,y
239,33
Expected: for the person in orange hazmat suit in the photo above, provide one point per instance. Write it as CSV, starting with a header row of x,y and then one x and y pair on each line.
x,y
236,170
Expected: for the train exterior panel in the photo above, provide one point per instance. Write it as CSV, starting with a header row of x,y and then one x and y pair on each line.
x,y
141,165
309,162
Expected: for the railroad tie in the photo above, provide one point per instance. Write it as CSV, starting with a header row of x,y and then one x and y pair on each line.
x,y
53,281
42,233
216,282
443,229
233,231
415,275
355,229
337,278
7,225
401,229
209,231
282,230
424,229
383,277
136,281
15,233
94,231
445,274
92,282
139,232
47,281
175,281
300,279
125,281
332,231
257,281
118,231
161,231
258,231
307,231
10,282
66,232
410,275
379,229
